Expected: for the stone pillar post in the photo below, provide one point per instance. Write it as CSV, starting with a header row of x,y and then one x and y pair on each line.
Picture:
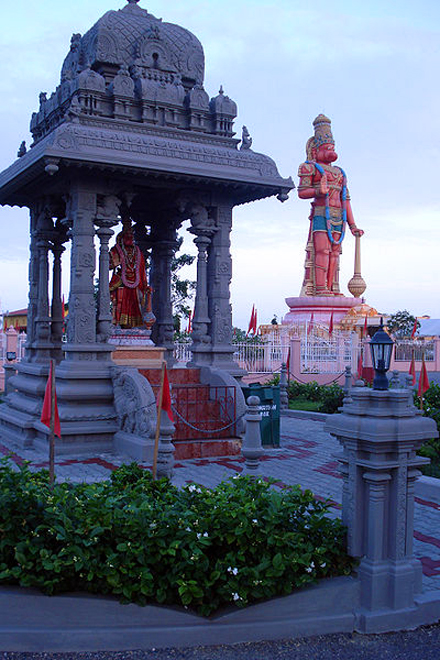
x,y
380,432
33,287
104,316
81,326
219,281
42,342
57,305
106,217
201,348
163,249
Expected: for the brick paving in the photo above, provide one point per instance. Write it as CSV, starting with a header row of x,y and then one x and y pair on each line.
x,y
306,456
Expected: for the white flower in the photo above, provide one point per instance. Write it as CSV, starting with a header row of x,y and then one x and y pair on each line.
x,y
188,529
198,535
192,488
308,569
323,565
234,570
235,596
312,565
255,521
205,534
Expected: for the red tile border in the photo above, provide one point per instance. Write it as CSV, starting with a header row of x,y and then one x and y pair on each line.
x,y
429,566
427,539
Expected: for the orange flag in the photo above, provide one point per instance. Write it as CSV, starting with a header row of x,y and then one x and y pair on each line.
x,y
47,412
412,369
423,380
166,397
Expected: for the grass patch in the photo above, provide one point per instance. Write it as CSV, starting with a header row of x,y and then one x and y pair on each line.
x,y
304,404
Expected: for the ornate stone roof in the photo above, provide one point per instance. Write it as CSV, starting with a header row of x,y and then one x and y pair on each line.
x,y
135,38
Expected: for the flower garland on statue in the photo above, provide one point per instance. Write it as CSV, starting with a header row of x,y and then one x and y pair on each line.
x,y
125,258
327,204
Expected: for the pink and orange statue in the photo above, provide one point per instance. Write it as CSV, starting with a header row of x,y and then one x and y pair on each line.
x,y
326,185
129,290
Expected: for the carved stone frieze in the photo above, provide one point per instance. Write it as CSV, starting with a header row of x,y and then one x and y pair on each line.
x,y
134,401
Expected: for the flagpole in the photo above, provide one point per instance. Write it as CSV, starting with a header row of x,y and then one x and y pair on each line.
x,y
52,426
159,413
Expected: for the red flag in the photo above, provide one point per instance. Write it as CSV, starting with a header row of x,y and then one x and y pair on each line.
x,y
251,322
365,326
423,379
414,330
189,326
288,362
330,327
255,322
166,397
360,364
63,308
412,369
46,413
310,324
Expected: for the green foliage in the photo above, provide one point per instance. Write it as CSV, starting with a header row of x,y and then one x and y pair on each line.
x,y
401,324
431,448
182,290
329,397
146,541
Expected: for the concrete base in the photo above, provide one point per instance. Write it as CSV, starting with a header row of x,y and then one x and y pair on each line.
x,y
301,308
142,357
32,622
138,448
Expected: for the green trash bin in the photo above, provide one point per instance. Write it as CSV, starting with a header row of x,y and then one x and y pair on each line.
x,y
270,411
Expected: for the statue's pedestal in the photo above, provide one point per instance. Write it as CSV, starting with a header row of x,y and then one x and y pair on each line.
x,y
301,309
134,348
142,357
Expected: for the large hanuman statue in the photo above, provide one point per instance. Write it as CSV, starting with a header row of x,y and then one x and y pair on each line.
x,y
326,185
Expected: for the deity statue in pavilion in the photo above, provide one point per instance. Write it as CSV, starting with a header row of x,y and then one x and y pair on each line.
x,y
129,290
326,185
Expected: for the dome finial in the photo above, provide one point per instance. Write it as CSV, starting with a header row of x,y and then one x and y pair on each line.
x,y
131,2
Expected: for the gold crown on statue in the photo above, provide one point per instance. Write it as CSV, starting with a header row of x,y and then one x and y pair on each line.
x,y
323,131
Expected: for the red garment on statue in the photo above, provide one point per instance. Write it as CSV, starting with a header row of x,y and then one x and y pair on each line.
x,y
128,286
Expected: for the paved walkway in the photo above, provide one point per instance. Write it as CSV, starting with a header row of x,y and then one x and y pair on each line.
x,y
306,456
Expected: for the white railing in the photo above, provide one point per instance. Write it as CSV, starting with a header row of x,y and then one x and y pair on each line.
x,y
406,348
264,358
21,342
182,351
324,355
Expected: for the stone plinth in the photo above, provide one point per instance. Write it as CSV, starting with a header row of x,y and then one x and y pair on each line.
x,y
142,357
380,432
301,308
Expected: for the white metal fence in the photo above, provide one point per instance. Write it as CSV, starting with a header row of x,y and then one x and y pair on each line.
x,y
405,349
328,355
264,358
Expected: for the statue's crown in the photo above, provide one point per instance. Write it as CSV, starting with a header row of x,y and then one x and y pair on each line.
x,y
323,131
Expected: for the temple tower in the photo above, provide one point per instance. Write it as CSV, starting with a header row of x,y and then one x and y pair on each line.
x,y
130,132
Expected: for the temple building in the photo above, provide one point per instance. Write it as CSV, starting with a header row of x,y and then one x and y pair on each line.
x,y
129,136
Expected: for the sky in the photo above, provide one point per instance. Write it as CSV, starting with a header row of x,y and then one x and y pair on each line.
x,y
372,67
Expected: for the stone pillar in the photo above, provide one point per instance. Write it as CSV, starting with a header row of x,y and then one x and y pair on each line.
x,y
42,344
81,326
219,274
163,249
106,218
203,227
380,432
57,305
33,287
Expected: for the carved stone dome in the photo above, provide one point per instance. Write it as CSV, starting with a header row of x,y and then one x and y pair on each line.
x,y
134,38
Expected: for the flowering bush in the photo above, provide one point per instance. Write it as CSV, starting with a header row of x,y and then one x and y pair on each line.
x,y
146,541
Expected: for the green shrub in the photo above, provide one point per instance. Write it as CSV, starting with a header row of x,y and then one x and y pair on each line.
x,y
147,541
329,397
